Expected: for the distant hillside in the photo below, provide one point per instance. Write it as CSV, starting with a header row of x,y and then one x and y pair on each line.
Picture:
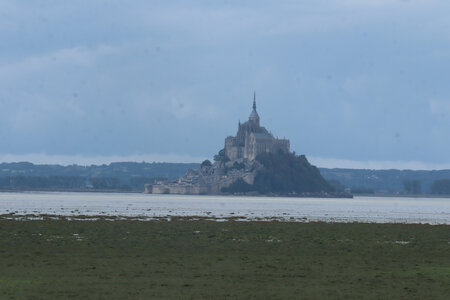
x,y
384,181
133,176
119,170
115,176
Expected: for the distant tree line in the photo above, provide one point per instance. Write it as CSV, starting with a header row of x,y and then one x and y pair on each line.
x,y
42,182
412,187
121,176
73,183
386,181
441,187
122,170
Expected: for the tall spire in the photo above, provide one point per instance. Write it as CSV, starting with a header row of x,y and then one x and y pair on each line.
x,y
254,115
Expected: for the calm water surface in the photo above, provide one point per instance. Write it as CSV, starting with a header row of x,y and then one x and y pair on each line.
x,y
142,206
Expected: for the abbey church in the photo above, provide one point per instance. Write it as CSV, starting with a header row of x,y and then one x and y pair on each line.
x,y
253,139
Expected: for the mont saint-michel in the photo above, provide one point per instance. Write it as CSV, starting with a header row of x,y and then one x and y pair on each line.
x,y
252,162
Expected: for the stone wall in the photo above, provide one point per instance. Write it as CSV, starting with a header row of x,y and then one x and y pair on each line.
x,y
212,188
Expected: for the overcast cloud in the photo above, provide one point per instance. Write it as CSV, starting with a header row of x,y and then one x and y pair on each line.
x,y
352,83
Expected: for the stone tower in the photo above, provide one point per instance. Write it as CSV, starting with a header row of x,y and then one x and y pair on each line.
x,y
253,139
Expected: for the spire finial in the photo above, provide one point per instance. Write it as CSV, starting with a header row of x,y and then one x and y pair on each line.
x,y
254,100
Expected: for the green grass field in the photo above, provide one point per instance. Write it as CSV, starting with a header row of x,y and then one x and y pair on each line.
x,y
222,260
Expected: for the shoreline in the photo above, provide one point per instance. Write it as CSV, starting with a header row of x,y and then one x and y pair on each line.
x,y
402,195
190,219
251,195
69,191
304,195
226,195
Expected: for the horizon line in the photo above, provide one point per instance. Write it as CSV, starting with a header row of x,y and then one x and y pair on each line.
x,y
320,162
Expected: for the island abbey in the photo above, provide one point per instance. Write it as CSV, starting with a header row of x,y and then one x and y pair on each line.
x,y
253,139
237,161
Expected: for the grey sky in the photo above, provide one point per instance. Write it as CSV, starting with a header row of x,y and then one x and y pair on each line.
x,y
350,83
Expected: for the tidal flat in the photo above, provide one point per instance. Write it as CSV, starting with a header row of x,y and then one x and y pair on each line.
x,y
32,205
61,259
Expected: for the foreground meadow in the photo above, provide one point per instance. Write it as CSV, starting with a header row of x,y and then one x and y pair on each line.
x,y
58,259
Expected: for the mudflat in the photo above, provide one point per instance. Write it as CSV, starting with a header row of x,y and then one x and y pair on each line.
x,y
153,207
59,259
